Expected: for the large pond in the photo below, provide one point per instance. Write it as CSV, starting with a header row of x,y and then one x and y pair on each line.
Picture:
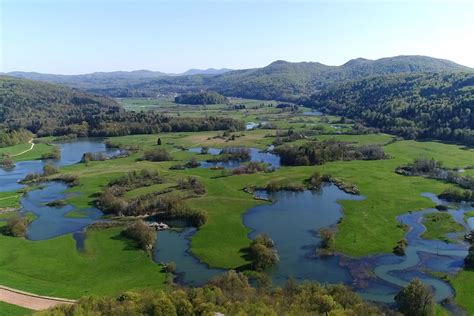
x,y
293,221
52,221
256,155
71,153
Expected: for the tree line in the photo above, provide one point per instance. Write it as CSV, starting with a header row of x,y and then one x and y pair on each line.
x,y
317,153
46,109
414,106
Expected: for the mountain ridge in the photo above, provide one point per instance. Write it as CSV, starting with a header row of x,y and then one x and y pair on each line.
x,y
278,80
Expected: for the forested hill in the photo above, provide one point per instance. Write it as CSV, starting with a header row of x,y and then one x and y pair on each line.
x,y
439,106
43,107
280,80
49,109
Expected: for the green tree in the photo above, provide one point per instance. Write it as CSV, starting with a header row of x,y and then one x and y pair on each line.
x,y
416,299
17,226
469,260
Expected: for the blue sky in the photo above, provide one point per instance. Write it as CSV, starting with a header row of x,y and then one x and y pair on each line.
x,y
72,37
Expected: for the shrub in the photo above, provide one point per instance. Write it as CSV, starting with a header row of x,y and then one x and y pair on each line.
x,y
416,299
469,260
193,163
49,169
17,226
157,154
31,177
315,180
327,238
262,253
169,267
192,183
141,233
7,163
55,154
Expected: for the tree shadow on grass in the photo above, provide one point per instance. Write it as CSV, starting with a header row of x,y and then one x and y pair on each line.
x,y
245,254
129,244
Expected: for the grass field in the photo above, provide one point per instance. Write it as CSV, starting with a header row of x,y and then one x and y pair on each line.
x,y
53,267
13,310
438,225
9,199
36,153
368,227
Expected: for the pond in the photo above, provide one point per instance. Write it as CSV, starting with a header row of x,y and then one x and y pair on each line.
x,y
313,113
173,246
256,155
52,221
71,153
293,220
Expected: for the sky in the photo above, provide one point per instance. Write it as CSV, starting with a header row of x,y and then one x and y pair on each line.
x,y
74,36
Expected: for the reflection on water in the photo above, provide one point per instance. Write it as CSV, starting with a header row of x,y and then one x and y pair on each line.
x,y
293,221
51,221
256,155
172,246
71,153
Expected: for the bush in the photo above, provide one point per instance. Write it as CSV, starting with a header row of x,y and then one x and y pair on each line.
x,y
31,177
55,154
399,249
262,253
88,157
169,267
193,163
49,169
141,233
416,299
327,238
192,183
315,180
7,163
17,226
469,260
157,154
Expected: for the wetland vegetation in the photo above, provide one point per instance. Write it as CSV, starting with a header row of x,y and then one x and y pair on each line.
x,y
296,195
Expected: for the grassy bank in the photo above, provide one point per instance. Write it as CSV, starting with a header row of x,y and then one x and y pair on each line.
x,y
53,267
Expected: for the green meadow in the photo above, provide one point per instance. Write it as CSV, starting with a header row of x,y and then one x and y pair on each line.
x,y
110,263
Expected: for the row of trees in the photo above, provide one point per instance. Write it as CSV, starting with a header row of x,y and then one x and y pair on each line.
x,y
230,294
317,153
14,137
46,109
202,98
439,106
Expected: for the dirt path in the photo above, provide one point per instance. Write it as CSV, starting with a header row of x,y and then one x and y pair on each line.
x,y
30,300
25,151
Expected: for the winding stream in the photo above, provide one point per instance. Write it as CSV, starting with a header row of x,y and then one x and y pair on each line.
x,y
256,155
292,221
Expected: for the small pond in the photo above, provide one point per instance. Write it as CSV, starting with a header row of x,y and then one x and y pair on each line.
x,y
256,155
71,153
313,113
52,221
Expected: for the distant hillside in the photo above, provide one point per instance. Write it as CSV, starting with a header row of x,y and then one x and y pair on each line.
x,y
279,80
43,107
50,109
439,106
